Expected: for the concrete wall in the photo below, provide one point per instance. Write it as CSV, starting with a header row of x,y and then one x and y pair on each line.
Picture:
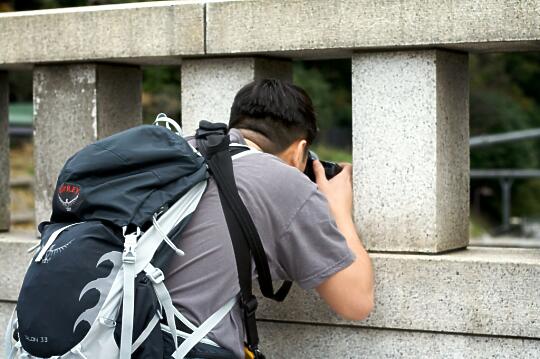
x,y
13,262
484,291
473,299
411,193
344,342
305,26
410,149
136,33
163,32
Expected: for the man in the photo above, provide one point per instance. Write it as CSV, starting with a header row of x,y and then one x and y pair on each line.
x,y
306,229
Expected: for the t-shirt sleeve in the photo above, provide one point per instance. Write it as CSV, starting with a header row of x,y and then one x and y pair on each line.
x,y
311,248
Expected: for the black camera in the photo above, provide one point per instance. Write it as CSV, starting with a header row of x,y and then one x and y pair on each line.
x,y
330,168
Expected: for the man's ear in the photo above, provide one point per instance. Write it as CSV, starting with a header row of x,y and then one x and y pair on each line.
x,y
294,155
299,154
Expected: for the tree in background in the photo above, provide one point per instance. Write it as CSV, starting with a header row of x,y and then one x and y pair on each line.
x,y
161,92
329,85
505,96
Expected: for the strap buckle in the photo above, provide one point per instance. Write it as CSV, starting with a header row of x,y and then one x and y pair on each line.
x,y
250,305
130,243
156,276
129,249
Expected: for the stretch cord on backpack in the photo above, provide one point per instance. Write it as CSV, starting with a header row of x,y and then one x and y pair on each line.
x,y
214,144
166,238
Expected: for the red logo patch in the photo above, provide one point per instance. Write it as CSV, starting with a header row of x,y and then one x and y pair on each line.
x,y
69,196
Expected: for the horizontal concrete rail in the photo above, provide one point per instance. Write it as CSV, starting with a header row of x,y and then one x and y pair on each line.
x,y
491,291
14,260
6,309
141,33
306,25
163,32
286,340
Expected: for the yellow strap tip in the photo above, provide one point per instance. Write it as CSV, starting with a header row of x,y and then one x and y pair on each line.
x,y
248,353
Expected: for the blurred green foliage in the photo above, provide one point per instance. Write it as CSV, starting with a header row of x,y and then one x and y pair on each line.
x,y
526,201
476,229
329,85
505,96
161,92
330,153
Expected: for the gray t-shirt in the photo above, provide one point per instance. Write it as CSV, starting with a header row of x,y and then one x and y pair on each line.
x,y
299,236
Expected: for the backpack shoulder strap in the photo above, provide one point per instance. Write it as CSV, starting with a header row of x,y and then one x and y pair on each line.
x,y
213,143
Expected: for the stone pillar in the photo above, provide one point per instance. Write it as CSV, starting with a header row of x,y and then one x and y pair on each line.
x,y
410,150
209,85
4,152
74,105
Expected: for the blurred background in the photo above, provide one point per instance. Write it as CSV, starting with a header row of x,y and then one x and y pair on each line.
x,y
504,128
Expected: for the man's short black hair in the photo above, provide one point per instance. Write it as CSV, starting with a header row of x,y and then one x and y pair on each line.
x,y
280,111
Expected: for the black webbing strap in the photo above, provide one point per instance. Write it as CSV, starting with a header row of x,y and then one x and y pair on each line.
x,y
213,143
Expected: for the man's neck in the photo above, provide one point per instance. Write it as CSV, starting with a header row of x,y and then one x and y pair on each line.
x,y
252,144
251,138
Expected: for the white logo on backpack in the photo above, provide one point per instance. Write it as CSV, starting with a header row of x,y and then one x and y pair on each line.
x,y
102,285
52,252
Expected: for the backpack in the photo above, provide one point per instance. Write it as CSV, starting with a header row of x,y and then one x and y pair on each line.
x,y
94,288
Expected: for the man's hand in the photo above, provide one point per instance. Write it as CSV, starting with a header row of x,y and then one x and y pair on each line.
x,y
350,291
338,190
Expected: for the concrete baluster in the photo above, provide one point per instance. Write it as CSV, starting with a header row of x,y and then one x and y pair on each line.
x,y
75,105
410,150
209,85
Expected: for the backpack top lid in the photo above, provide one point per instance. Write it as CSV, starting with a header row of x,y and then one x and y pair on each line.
x,y
127,177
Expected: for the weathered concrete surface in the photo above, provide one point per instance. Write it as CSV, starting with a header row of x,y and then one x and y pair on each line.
x,y
209,85
75,105
163,32
14,260
304,25
156,32
410,150
491,291
4,152
286,340
6,309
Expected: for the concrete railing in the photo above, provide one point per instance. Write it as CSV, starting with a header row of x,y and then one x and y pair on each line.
x,y
435,297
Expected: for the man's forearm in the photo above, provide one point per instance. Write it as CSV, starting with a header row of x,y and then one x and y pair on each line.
x,y
362,263
350,291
